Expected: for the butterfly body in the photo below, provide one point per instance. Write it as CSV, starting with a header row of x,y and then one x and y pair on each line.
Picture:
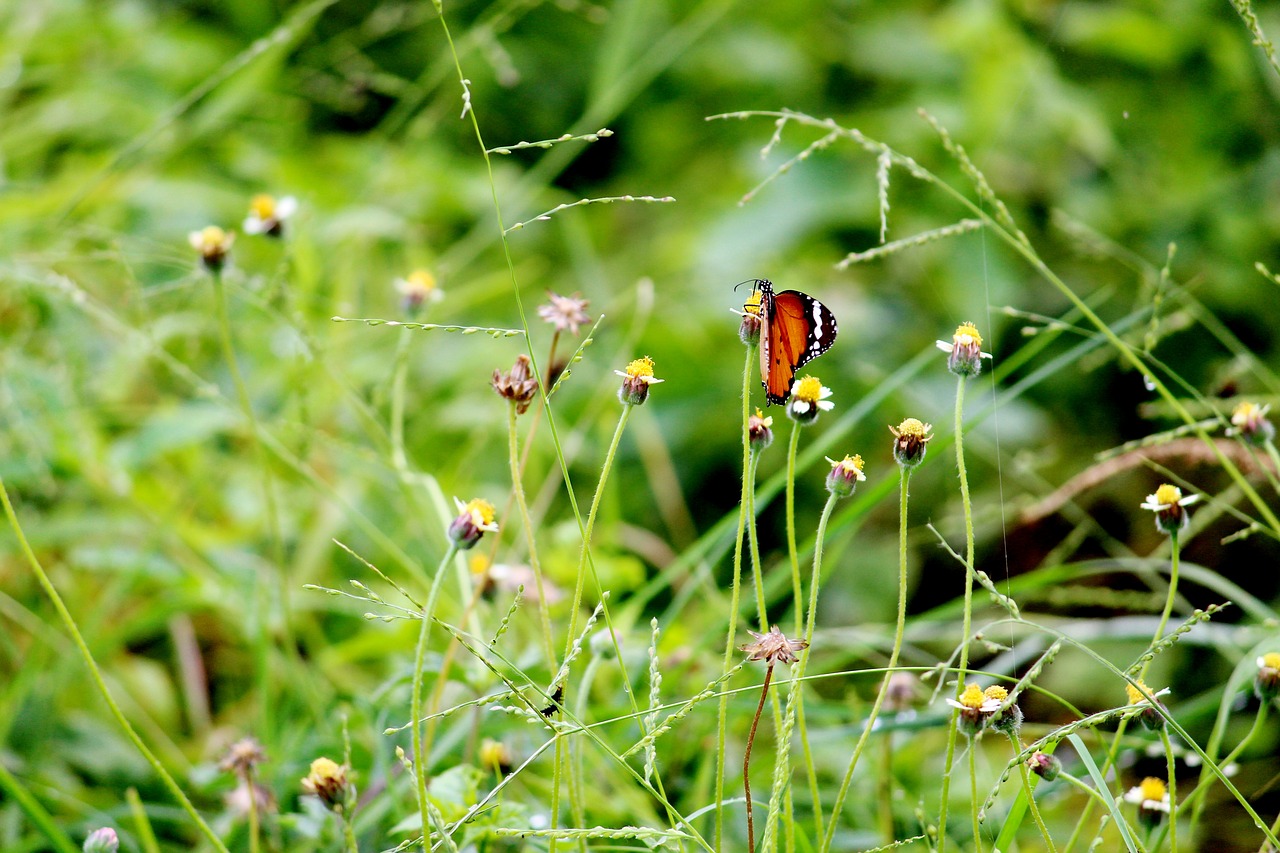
x,y
795,329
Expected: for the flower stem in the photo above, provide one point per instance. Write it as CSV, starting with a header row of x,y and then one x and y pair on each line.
x,y
517,485
1027,787
1168,602
399,378
973,797
963,667
1173,791
905,477
746,760
796,591
349,834
1196,798
734,595
95,674
253,810
415,718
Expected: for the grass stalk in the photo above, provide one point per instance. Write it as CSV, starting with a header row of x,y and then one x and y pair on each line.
x,y
420,749
399,382
95,675
1029,791
746,760
517,485
973,796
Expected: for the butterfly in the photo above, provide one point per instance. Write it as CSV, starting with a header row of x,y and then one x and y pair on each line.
x,y
795,329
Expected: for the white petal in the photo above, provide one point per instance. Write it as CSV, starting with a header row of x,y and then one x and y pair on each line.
x,y
826,405
800,407
196,239
254,225
1189,499
286,207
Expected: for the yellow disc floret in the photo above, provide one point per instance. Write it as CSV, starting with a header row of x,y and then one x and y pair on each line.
x,y
1271,660
642,366
967,335
1135,694
1168,495
913,428
481,511
996,692
973,697
753,305
1153,789
263,206
808,389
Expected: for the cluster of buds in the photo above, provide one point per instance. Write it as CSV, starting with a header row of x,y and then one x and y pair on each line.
x,y
910,441
982,708
845,475
328,780
808,399
1168,504
475,518
636,380
1150,716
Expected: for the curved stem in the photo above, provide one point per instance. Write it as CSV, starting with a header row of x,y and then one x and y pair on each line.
x,y
1029,790
796,592
1168,602
735,592
96,675
746,760
905,478
415,713
963,667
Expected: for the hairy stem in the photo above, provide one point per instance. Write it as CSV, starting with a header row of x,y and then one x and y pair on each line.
x,y
415,713
746,760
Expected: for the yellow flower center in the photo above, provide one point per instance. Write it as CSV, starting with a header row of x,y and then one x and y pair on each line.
x,y
422,281
1246,413
850,464
765,422
263,206
327,770
1168,495
808,389
1135,695
212,237
753,304
642,366
913,428
973,697
1271,660
967,335
996,692
1152,789
481,512
479,564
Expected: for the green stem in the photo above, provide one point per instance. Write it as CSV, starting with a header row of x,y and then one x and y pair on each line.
x,y
968,609
399,380
253,810
1196,798
973,796
1029,791
415,713
734,595
1173,791
70,624
904,479
517,485
1273,474
792,554
349,834
1168,602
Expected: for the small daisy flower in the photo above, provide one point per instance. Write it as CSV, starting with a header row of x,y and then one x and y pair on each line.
x,y
975,707
909,442
636,380
517,385
328,781
475,518
1008,721
213,244
417,290
808,398
102,840
1266,684
752,319
1044,765
1167,503
965,351
1151,718
773,647
566,313
845,475
1249,421
1152,798
267,214
759,430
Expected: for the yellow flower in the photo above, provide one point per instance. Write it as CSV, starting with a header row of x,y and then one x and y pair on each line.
x,y
996,692
267,215
965,351
1152,798
759,430
1266,684
475,518
845,475
1167,503
910,440
808,398
636,380
1249,421
213,244
328,781
418,288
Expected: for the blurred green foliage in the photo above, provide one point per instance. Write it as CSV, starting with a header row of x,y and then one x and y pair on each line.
x,y
1111,131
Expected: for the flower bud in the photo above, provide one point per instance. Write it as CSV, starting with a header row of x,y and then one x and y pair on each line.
x,y
636,380
749,329
1044,765
965,351
102,841
910,439
1008,721
759,432
1266,684
1249,421
845,475
475,518
213,244
517,385
1150,716
328,781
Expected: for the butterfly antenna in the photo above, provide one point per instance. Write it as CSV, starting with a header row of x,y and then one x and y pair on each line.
x,y
755,281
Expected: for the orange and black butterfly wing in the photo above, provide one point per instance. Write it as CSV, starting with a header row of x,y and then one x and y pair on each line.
x,y
796,329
